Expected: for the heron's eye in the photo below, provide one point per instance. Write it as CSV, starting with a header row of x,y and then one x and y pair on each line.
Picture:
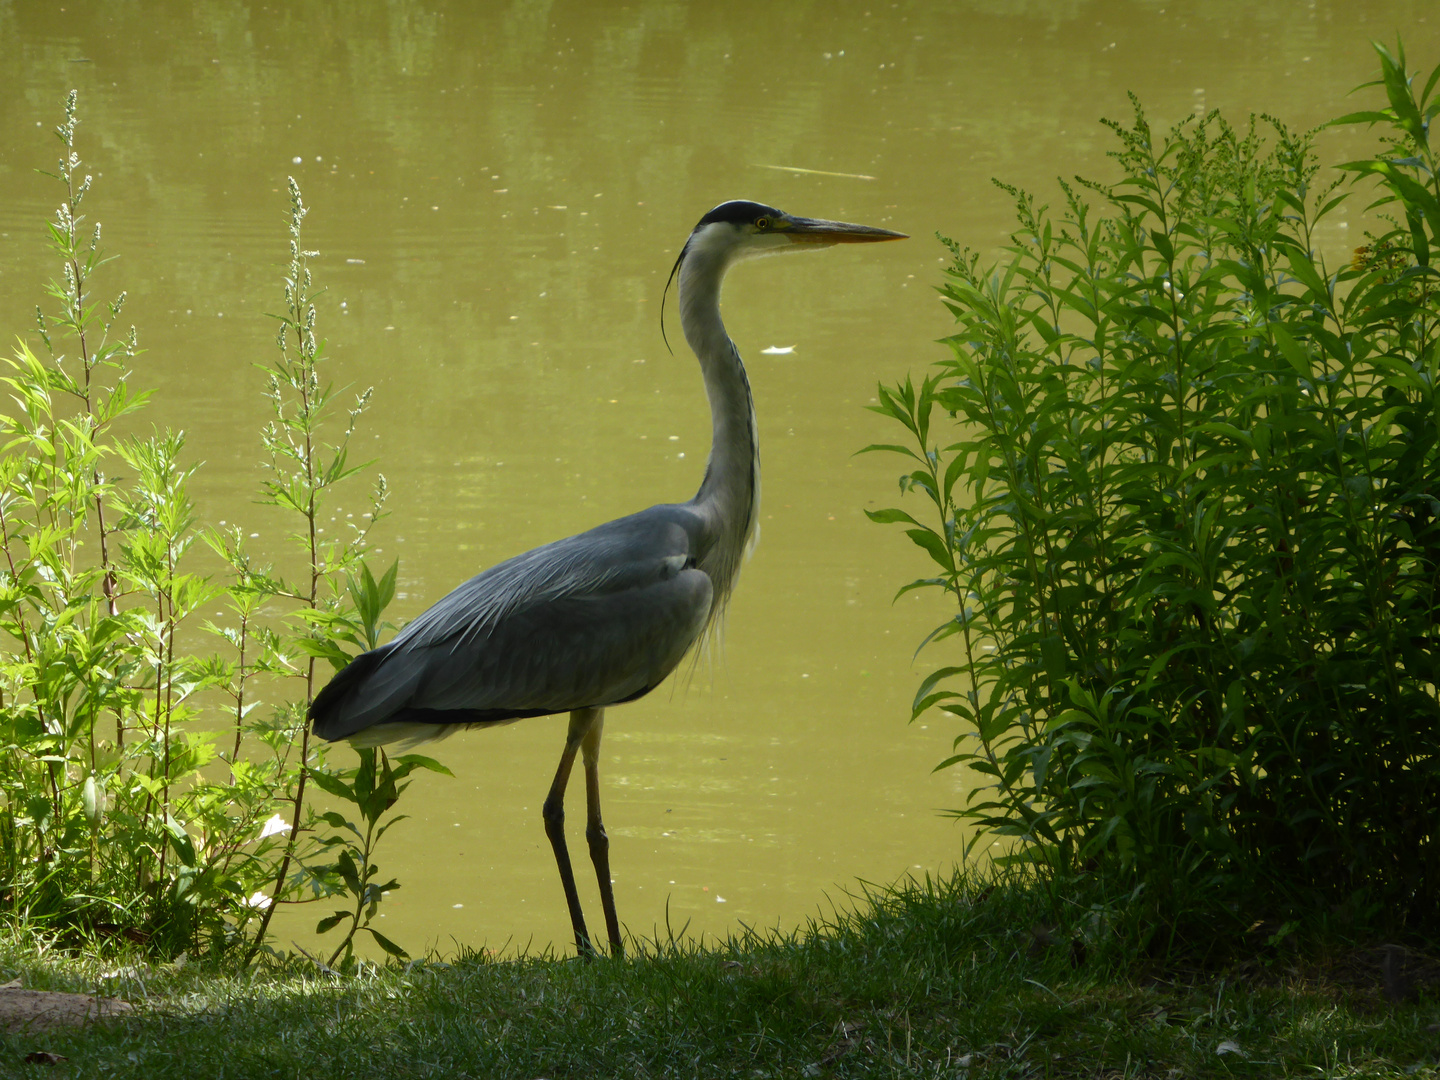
x,y
763,223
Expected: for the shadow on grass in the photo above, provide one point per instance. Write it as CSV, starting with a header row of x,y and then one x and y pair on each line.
x,y
953,978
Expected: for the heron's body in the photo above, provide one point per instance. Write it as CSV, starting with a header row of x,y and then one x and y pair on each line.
x,y
602,617
592,620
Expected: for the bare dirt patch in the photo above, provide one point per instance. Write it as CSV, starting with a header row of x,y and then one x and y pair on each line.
x,y
24,1010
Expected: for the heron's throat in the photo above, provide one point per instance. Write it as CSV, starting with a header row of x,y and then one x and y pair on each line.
x,y
729,496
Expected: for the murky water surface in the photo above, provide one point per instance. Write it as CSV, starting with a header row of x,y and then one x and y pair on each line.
x,y
498,192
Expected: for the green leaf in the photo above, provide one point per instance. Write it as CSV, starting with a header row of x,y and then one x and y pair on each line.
x,y
332,784
953,472
890,448
931,542
1305,272
421,761
889,517
1369,116
180,840
1397,88
920,703
90,799
1430,85
1054,656
1297,357
386,944
324,649
349,873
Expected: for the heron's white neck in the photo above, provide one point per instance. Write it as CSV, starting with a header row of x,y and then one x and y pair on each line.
x,y
729,496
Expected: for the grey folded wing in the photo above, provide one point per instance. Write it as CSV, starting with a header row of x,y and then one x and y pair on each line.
x,y
592,620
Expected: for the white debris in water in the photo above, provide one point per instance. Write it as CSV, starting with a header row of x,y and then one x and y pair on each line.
x,y
778,350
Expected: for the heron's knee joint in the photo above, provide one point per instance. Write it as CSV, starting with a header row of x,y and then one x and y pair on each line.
x,y
554,814
598,837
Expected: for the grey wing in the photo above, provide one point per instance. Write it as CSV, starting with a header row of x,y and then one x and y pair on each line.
x,y
595,619
575,650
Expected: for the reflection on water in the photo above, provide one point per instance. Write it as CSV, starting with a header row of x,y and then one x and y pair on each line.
x,y
498,193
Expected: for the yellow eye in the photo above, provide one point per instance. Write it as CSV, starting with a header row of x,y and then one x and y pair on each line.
x,y
763,223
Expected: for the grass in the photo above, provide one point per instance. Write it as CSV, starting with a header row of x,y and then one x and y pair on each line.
x,y
937,979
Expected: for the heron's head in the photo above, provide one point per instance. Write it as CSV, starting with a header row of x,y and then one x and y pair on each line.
x,y
741,229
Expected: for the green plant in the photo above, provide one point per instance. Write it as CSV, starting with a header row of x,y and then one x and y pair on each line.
x,y
1190,517
373,788
304,466
114,818
92,595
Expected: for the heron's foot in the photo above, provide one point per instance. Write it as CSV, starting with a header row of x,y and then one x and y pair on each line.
x,y
587,951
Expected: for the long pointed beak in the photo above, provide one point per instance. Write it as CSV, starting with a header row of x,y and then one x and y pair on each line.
x,y
816,231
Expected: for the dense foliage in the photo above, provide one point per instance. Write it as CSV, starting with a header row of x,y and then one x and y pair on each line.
x,y
1189,511
150,790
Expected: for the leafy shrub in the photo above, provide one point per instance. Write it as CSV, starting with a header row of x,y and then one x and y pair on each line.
x,y
147,792
1190,517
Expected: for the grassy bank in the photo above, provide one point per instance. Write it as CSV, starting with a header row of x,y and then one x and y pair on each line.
x,y
940,980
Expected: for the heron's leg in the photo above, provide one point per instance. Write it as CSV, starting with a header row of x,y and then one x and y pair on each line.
x,y
554,813
595,830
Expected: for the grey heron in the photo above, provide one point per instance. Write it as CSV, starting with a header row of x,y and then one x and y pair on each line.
x,y
603,617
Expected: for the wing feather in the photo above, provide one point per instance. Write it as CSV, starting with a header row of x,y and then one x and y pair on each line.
x,y
594,619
